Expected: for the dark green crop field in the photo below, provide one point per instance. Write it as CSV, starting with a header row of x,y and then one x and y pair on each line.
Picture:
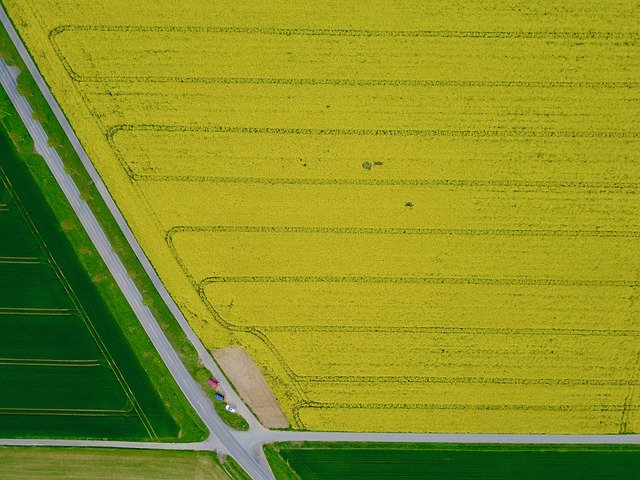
x,y
66,368
412,462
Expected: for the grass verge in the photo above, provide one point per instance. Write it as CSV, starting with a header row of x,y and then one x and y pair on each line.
x,y
281,469
234,420
192,427
233,469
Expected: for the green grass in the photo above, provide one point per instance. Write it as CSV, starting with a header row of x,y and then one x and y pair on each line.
x,y
41,463
191,427
279,467
233,469
234,420
479,461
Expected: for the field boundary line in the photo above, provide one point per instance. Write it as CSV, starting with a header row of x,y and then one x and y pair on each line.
x,y
385,132
31,362
420,280
20,260
59,412
476,380
473,406
537,34
404,231
62,312
449,330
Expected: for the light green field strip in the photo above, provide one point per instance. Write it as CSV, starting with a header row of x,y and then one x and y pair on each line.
x,y
20,463
35,311
20,260
43,362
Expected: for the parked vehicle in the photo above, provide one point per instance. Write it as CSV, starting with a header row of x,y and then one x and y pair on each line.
x,y
218,396
229,408
213,382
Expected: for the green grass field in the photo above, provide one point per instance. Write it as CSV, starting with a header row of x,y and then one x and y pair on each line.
x,y
25,463
66,368
489,462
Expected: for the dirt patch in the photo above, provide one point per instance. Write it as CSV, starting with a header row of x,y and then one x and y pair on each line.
x,y
251,385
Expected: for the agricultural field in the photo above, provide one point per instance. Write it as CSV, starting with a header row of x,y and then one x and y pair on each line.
x,y
425,219
25,463
66,369
413,462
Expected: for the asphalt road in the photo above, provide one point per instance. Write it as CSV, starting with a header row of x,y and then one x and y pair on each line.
x,y
244,447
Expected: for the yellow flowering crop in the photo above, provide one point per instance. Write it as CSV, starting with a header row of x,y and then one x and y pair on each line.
x,y
415,216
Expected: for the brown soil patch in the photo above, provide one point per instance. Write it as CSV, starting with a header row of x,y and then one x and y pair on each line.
x,y
251,385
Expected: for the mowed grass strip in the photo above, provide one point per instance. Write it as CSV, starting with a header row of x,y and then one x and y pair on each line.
x,y
388,461
41,463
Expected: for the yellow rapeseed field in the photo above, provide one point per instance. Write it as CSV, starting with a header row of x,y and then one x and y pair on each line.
x,y
415,216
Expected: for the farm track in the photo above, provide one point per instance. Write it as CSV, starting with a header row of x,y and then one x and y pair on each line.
x,y
243,446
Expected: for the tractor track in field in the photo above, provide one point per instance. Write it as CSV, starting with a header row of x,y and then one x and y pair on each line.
x,y
244,447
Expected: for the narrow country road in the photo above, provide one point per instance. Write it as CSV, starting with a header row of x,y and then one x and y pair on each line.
x,y
244,447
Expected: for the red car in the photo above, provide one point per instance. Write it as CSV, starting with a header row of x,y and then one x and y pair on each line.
x,y
213,382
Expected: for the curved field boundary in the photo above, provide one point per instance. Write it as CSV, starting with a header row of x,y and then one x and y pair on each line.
x,y
297,380
199,286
